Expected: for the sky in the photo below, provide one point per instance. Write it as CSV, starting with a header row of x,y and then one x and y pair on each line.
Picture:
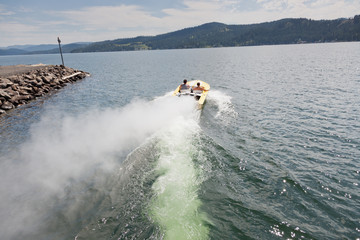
x,y
42,21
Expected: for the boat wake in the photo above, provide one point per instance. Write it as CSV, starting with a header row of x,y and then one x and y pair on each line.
x,y
225,109
145,159
66,154
176,206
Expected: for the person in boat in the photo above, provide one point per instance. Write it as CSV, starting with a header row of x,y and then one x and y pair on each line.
x,y
198,87
197,90
184,87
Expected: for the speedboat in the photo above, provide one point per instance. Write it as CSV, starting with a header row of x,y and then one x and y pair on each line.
x,y
199,95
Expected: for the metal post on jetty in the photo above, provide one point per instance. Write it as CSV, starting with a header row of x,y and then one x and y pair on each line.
x,y
62,59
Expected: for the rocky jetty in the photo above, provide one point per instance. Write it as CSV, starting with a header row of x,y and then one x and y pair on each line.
x,y
23,83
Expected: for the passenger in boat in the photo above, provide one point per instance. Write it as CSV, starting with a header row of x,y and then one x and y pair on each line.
x,y
197,90
198,87
184,87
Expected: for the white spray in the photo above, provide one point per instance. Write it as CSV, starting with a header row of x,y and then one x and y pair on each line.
x,y
176,205
64,149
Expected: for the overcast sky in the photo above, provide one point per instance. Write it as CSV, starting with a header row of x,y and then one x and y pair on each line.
x,y
42,21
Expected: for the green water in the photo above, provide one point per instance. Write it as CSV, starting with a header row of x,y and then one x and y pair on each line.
x,y
176,206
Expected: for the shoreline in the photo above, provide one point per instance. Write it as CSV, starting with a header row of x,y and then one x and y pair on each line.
x,y
20,84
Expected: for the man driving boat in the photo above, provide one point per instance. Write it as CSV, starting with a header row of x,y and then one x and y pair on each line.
x,y
184,87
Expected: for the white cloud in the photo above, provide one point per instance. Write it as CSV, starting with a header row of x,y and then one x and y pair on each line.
x,y
96,23
110,17
315,9
4,12
196,12
14,27
278,5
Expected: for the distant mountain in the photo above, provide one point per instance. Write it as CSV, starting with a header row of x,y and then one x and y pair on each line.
x,y
40,49
12,51
30,48
65,48
285,31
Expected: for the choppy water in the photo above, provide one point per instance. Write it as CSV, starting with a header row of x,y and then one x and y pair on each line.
x,y
274,154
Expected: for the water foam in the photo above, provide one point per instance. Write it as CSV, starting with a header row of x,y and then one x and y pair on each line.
x,y
223,102
64,149
176,207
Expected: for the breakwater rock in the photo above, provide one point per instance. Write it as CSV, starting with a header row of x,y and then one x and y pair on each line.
x,y
23,83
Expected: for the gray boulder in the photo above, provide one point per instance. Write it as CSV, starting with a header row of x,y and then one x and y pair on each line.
x,y
4,94
5,83
7,106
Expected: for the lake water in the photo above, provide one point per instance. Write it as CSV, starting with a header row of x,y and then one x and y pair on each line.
x,y
274,154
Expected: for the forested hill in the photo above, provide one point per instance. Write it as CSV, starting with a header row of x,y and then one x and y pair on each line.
x,y
285,31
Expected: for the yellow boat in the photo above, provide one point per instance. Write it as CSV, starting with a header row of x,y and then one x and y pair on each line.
x,y
199,95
